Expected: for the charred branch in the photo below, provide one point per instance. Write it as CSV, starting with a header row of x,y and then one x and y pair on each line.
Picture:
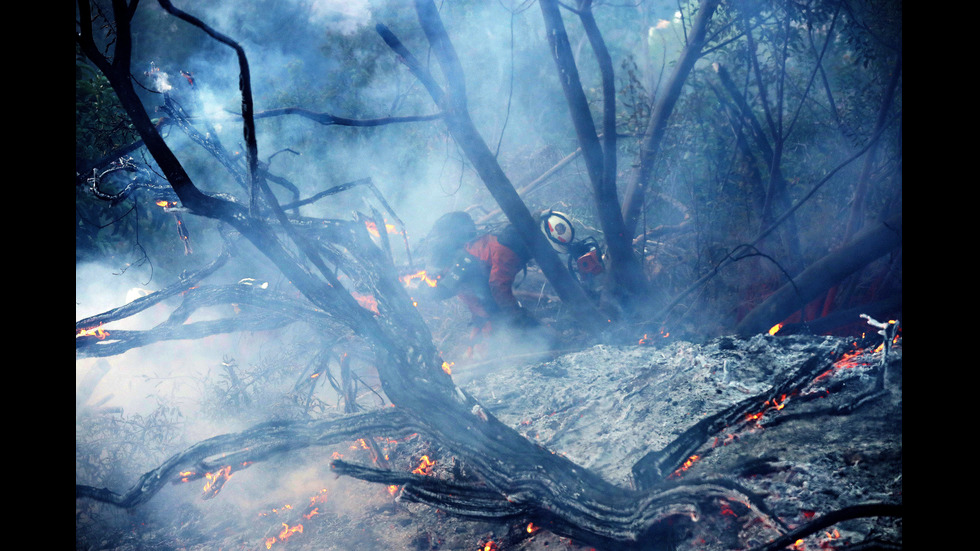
x,y
256,444
822,275
836,517
272,310
328,120
653,468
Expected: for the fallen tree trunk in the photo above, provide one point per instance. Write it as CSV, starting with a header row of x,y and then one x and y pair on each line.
x,y
823,275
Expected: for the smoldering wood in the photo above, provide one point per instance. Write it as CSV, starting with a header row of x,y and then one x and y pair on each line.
x,y
655,466
824,274
255,444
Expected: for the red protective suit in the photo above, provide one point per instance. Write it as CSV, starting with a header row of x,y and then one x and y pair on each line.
x,y
501,265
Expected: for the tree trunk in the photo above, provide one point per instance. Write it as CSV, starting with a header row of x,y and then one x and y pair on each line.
x,y
624,267
654,133
460,125
822,275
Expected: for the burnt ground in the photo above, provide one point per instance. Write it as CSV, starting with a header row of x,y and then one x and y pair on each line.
x,y
603,407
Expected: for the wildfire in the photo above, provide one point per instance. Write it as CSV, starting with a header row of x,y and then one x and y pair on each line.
x,y
490,546
366,301
215,481
392,489
425,466
448,367
647,338
767,405
531,528
687,465
286,532
97,332
372,228
775,328
421,276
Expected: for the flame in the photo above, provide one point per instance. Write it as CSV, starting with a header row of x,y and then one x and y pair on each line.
x,y
448,367
286,532
425,466
490,546
422,276
366,301
778,404
372,228
687,465
775,328
97,332
392,489
215,481
531,528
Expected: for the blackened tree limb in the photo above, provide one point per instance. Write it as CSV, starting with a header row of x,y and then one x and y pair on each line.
x,y
142,303
655,466
328,120
452,102
262,309
255,444
599,156
863,510
654,133
244,86
822,275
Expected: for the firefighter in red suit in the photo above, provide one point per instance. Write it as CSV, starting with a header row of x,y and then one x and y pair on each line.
x,y
480,269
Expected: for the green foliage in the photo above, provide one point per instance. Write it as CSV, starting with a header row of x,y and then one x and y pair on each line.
x,y
101,125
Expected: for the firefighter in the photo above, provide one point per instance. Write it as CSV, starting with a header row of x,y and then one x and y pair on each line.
x,y
479,268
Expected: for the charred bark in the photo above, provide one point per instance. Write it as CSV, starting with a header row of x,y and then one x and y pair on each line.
x,y
823,275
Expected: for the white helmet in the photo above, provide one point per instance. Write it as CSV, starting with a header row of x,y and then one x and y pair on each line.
x,y
557,227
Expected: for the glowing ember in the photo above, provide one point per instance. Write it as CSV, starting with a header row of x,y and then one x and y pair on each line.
x,y
421,276
767,405
425,466
97,332
448,367
372,228
490,546
366,301
531,528
687,465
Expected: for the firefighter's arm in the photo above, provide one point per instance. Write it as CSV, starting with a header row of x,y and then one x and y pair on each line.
x,y
505,265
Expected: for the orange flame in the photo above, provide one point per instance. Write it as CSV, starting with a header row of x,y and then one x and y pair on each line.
x,y
392,489
448,367
372,228
420,275
366,301
687,465
97,332
531,528
775,328
215,481
425,466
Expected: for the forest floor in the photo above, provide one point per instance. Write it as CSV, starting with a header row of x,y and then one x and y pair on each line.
x,y
604,408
